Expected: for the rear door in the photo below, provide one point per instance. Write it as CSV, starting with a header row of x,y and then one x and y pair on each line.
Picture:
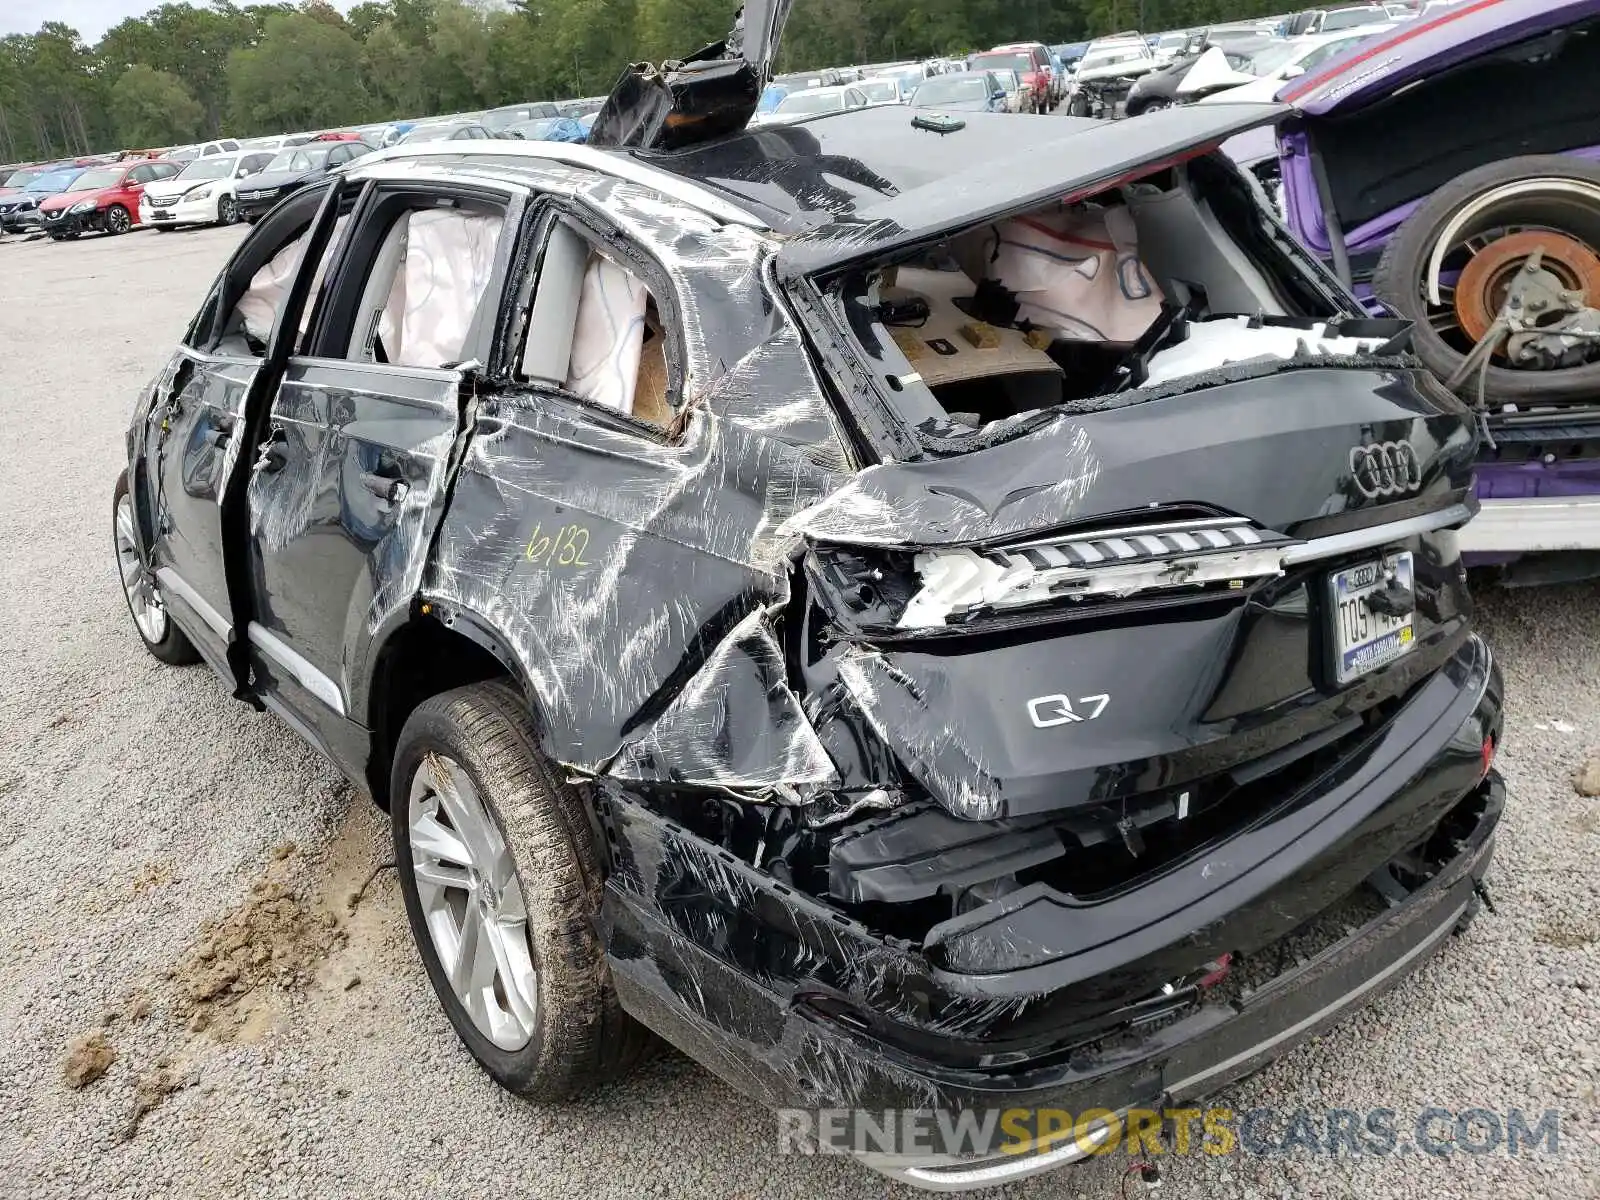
x,y
194,447
348,482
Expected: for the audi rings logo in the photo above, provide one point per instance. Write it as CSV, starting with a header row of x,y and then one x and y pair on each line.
x,y
1385,469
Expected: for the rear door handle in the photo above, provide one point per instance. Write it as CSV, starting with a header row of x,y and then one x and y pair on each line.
x,y
385,487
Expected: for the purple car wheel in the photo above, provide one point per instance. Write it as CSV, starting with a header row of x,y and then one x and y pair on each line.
x,y
1499,271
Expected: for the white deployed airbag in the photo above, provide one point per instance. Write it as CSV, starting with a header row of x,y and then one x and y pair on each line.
x,y
609,337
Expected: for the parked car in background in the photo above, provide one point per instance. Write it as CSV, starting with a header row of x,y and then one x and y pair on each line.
x,y
22,176
202,150
1336,20
205,192
1010,83
103,199
19,211
585,106
548,129
1260,77
499,119
884,91
447,131
291,169
1070,53
1106,74
814,102
1440,199
1032,68
1040,63
970,91
1158,89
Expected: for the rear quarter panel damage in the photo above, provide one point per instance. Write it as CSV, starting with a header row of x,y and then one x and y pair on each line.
x,y
634,575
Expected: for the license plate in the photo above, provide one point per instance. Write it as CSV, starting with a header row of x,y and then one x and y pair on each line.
x,y
1364,638
160,214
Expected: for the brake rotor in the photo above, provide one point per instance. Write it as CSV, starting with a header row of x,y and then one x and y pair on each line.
x,y
1485,280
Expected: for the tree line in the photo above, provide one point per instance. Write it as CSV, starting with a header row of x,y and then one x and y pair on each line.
x,y
179,72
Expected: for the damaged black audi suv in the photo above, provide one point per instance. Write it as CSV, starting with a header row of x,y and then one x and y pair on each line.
x,y
918,610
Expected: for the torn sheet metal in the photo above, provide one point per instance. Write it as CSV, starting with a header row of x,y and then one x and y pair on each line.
x,y
736,722
631,575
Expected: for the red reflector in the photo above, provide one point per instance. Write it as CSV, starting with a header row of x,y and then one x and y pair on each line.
x,y
1217,971
1488,756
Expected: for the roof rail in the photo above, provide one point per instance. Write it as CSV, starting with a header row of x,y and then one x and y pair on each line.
x,y
616,164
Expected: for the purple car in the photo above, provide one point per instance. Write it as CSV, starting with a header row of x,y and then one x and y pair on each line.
x,y
1447,171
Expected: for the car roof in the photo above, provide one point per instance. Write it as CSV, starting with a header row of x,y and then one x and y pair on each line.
x,y
842,165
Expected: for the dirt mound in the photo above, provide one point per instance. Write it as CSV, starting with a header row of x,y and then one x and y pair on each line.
x,y
87,1059
273,939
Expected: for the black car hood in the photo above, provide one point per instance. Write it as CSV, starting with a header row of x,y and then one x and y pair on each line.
x,y
268,181
711,93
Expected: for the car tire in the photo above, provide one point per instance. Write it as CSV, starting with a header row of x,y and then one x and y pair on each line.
x,y
151,621
471,788
1398,279
1077,107
118,219
227,210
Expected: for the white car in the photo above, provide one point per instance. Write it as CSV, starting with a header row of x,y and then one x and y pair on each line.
x,y
814,101
883,91
1337,20
204,193
1109,63
1011,84
1218,83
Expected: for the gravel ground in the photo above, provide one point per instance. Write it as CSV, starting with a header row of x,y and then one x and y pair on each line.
x,y
146,806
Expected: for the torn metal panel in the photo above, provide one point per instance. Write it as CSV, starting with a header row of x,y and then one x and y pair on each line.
x,y
633,577
614,564
712,93
735,723
1221,451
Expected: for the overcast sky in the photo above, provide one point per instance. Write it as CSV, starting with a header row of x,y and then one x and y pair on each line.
x,y
91,18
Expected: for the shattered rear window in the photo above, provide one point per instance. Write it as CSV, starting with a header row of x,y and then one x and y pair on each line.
x,y
1152,288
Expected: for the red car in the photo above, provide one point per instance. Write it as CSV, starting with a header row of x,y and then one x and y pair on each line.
x,y
103,199
1031,62
338,135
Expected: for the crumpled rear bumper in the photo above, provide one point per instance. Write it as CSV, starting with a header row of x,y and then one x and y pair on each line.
x,y
798,1006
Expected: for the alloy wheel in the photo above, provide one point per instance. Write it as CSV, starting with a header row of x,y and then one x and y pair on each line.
x,y
472,902
227,210
117,220
144,600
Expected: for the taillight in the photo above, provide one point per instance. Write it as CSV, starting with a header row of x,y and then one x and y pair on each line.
x,y
1487,756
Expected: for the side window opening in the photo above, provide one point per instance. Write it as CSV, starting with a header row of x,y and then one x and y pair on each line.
x,y
250,326
594,330
256,282
422,294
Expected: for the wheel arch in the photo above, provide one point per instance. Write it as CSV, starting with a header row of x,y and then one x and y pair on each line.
x,y
436,650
